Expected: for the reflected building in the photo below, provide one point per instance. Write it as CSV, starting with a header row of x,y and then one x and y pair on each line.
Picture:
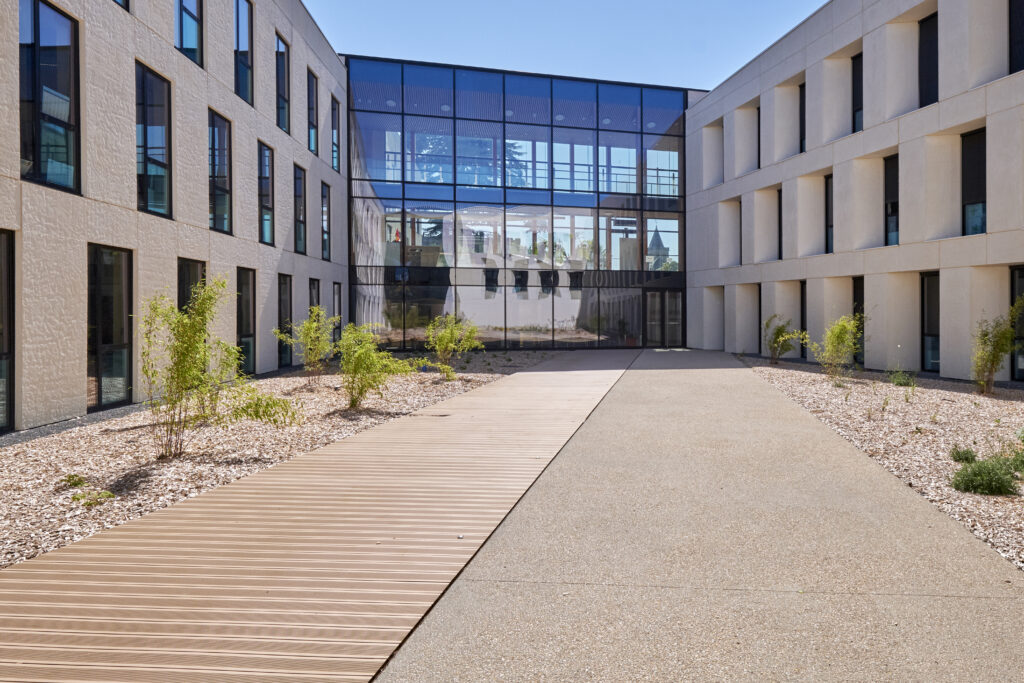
x,y
548,211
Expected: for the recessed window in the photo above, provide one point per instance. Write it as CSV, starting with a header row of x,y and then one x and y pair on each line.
x,y
1016,28
109,329
245,322
191,273
335,134
325,221
49,95
972,182
778,223
6,330
803,121
153,141
892,200
314,292
243,49
336,296
300,210
284,318
930,322
829,217
188,29
284,86
122,3
857,91
265,166
312,96
928,60
220,173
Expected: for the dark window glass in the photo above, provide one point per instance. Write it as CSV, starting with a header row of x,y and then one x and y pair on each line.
x,y
757,140
220,173
1016,25
527,156
284,85
245,322
300,209
829,217
153,141
857,69
314,292
122,3
739,228
190,274
574,103
429,150
1016,291
265,192
325,221
972,182
313,111
6,330
892,200
618,107
335,134
374,85
778,223
376,146
478,94
109,331
189,29
336,311
930,322
423,304
803,120
574,160
48,46
478,153
858,309
928,60
527,99
663,111
663,157
621,319
429,238
618,240
803,315
243,49
428,90
617,157
284,318
377,232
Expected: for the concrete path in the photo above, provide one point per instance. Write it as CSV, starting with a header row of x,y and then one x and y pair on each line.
x,y
702,526
313,570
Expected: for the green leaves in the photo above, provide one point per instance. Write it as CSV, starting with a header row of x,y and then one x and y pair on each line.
x,y
779,339
448,337
840,346
313,339
364,366
993,341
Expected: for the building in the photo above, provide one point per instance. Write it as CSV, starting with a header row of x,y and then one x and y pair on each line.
x,y
870,160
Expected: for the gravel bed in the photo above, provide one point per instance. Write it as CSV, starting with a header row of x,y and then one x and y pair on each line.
x,y
910,432
37,513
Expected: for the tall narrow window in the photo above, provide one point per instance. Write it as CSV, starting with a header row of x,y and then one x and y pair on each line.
x,y
803,315
122,3
803,117
1017,358
6,330
284,318
892,200
858,309
758,142
779,223
930,322
190,274
109,330
1016,25
972,181
312,99
48,46
336,311
265,165
928,60
245,321
300,210
325,221
284,85
220,173
314,292
829,217
739,212
243,49
335,134
857,91
153,141
188,29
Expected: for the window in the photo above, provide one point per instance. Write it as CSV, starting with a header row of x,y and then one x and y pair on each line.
x,y
618,240
49,96
478,153
122,3
829,236
778,219
189,30
220,173
335,134
312,108
6,330
284,85
1016,25
803,315
892,200
284,318
300,210
243,49
325,221
527,156
617,162
314,292
428,150
857,91
662,161
757,142
265,166
928,60
336,295
803,121
109,330
930,322
573,159
245,321
739,230
858,309
1017,358
153,141
972,182
190,274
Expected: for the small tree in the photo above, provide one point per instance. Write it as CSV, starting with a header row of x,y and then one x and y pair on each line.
x,y
993,341
192,379
364,366
840,345
448,337
778,338
313,338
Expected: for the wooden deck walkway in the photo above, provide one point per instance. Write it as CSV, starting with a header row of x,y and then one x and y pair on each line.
x,y
314,570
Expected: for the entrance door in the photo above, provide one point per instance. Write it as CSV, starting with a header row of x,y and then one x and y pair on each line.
x,y
655,319
664,316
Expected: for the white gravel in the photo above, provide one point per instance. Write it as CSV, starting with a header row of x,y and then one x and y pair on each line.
x,y
911,435
37,513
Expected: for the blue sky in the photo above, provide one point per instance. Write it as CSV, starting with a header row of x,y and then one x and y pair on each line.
x,y
690,43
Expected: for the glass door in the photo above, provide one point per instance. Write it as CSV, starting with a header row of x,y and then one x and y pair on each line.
x,y
930,322
6,330
655,319
1017,284
674,318
110,327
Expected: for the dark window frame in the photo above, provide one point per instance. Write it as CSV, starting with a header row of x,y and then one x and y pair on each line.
x,y
1015,28
779,219
891,200
244,58
830,245
8,355
265,200
857,93
179,23
325,221
313,112
928,61
1016,372
185,292
335,134
283,90
248,363
299,201
314,292
99,349
337,302
284,322
803,116
970,194
216,188
141,72
924,277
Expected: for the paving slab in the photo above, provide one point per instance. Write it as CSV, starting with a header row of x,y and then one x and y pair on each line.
x,y
700,525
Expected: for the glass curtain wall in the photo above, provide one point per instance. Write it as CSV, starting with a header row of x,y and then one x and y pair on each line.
x,y
539,208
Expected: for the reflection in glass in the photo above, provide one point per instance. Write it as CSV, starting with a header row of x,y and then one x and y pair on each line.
x,y
617,162
527,99
574,245
375,85
220,172
478,94
618,240
376,146
422,305
377,232
478,147
429,234
663,111
619,107
380,306
265,192
662,157
109,327
576,319
6,328
152,140
673,318
243,50
527,156
479,236
428,150
620,317
245,320
573,156
528,237
662,242
574,103
283,84
284,318
484,307
428,90
528,316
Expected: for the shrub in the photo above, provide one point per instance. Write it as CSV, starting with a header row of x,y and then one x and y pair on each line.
x,y
840,345
74,481
191,378
364,366
993,341
92,498
963,454
449,337
903,378
313,339
991,477
778,338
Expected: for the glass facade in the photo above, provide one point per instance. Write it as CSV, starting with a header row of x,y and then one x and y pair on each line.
x,y
539,208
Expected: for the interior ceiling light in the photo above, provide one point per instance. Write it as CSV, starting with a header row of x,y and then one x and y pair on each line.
x,y
391,103
606,121
559,117
445,107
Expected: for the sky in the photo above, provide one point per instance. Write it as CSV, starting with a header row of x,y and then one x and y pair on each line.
x,y
685,43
